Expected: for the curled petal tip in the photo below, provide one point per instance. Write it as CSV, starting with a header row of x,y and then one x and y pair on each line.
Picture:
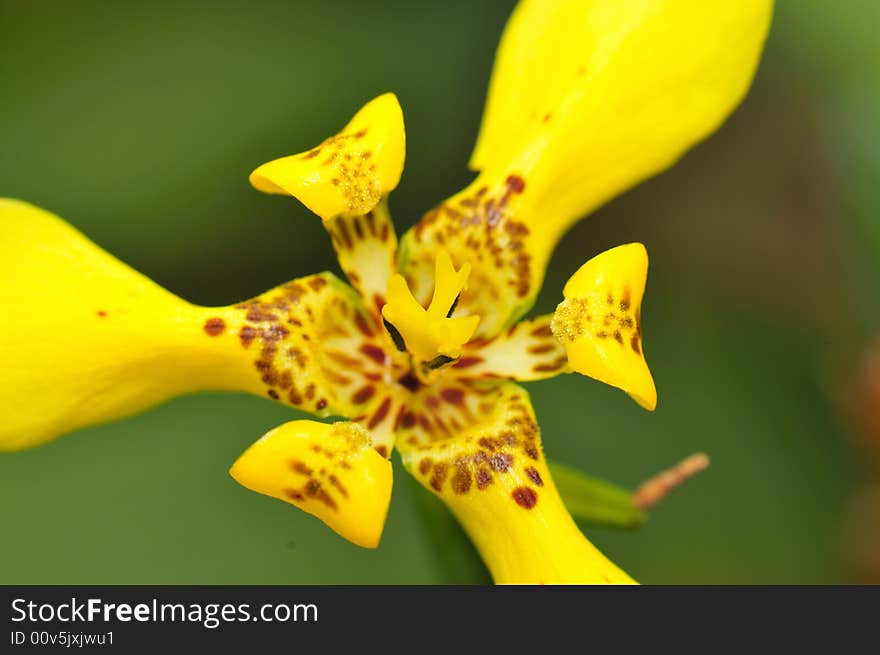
x,y
348,173
329,471
599,322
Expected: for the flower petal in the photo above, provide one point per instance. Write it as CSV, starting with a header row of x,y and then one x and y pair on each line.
x,y
346,181
599,322
527,351
88,339
588,98
85,338
493,476
329,471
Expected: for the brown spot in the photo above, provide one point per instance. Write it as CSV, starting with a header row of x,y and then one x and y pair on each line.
x,y
542,331
409,419
295,397
363,394
534,476
285,380
515,183
374,352
300,467
317,283
461,481
293,494
256,313
382,450
362,324
312,153
467,361
425,465
275,333
273,394
336,483
441,470
484,478
542,349
102,313
634,344
247,334
453,395
380,414
313,489
321,404
532,451
500,462
344,234
409,381
525,497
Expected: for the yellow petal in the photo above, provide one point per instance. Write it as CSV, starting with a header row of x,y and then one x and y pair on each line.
x,y
588,98
491,472
329,471
86,339
349,172
599,322
527,351
346,181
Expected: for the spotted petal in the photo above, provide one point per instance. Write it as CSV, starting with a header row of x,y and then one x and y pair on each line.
x,y
346,181
491,472
599,323
87,339
329,471
526,351
588,98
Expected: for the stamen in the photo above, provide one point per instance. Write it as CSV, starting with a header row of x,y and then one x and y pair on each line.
x,y
432,336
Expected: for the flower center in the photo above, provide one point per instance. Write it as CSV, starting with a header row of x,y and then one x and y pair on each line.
x,y
433,337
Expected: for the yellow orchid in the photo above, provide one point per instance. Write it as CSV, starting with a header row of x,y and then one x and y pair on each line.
x,y
423,350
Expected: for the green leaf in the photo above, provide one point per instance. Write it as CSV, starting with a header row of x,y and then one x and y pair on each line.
x,y
590,500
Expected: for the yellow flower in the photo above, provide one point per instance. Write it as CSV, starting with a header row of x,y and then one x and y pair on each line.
x,y
423,349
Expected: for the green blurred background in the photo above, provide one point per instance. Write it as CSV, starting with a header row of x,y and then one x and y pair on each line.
x,y
139,123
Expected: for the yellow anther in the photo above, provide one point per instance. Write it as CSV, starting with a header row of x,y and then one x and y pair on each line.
x,y
433,332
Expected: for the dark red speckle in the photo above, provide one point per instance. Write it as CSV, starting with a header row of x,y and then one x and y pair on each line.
x,y
534,476
515,183
525,497
214,327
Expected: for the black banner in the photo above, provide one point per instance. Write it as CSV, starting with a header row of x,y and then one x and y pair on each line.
x,y
146,619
